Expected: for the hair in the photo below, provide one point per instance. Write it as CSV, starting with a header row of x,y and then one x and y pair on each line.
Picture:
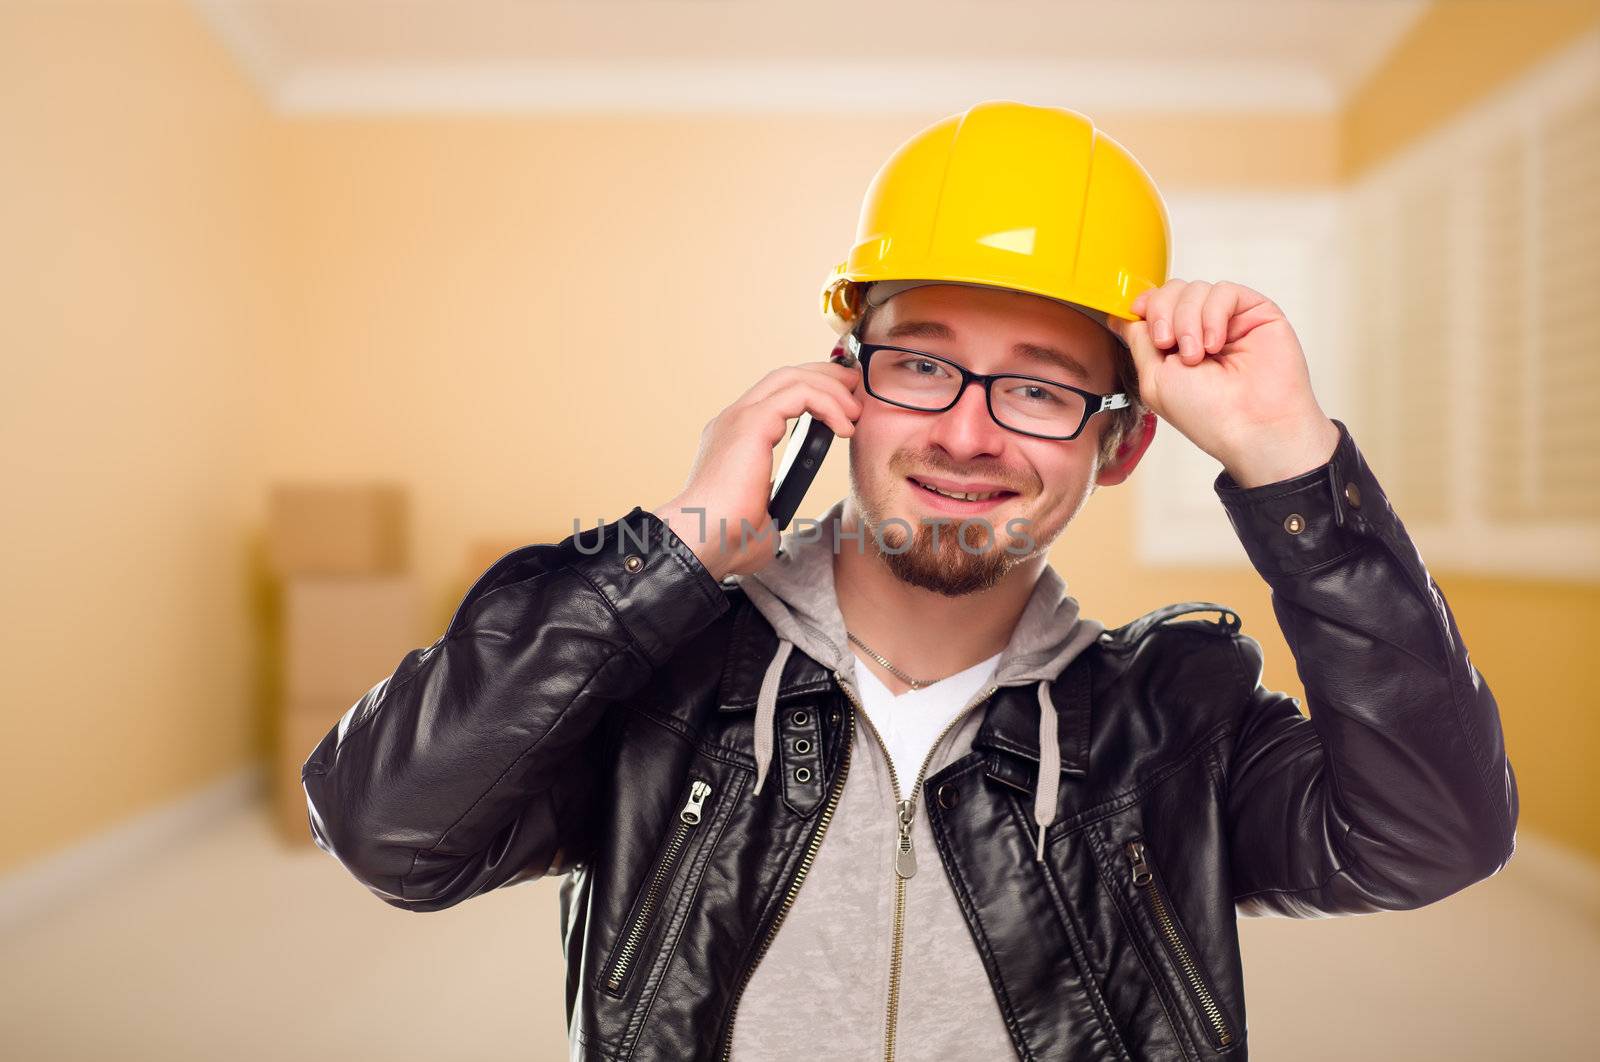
x,y
1121,424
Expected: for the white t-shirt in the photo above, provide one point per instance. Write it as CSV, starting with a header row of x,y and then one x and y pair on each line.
x,y
911,722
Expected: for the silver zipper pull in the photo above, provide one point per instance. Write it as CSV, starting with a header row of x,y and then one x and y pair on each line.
x,y
697,796
1141,869
905,860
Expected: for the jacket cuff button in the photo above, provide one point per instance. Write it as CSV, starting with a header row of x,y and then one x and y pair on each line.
x,y
1294,523
633,562
1352,494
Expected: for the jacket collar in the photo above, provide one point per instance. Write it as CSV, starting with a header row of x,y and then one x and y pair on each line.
x,y
1010,723
750,647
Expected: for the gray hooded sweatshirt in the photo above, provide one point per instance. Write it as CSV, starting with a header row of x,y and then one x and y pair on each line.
x,y
823,988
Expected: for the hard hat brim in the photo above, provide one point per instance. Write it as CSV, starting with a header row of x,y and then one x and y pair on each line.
x,y
881,291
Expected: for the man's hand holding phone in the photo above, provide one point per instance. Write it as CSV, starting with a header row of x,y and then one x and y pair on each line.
x,y
731,480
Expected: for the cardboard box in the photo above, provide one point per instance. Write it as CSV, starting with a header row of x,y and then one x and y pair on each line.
x,y
481,556
337,529
301,726
343,635
484,552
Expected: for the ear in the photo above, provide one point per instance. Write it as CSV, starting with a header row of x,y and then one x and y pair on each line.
x,y
1131,449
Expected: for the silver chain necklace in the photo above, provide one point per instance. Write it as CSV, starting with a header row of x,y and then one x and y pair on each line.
x,y
915,684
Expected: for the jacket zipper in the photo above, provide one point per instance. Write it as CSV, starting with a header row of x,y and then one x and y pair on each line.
x,y
905,860
794,887
1145,879
688,818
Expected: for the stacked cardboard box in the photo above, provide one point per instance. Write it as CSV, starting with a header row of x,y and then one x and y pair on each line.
x,y
351,612
483,553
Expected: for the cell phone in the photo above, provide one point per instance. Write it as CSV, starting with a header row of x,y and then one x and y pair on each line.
x,y
808,444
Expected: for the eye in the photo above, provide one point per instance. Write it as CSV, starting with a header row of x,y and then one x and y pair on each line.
x,y
1033,393
916,365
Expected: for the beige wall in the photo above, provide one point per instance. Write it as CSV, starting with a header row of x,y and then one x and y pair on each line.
x,y
137,202
1457,53
210,297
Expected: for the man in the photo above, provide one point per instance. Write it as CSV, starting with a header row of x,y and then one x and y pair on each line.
x,y
888,792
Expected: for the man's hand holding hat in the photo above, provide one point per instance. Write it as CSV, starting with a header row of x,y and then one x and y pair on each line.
x,y
1220,363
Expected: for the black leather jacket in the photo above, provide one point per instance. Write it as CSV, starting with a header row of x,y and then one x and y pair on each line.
x,y
555,726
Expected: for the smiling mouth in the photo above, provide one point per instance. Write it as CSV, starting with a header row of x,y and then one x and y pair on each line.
x,y
967,496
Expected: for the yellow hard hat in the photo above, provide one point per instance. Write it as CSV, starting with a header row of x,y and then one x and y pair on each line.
x,y
1009,195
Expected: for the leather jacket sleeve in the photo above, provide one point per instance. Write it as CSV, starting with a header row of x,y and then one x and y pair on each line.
x,y
1396,792
476,763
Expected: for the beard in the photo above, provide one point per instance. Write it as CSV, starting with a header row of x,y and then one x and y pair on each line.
x,y
949,558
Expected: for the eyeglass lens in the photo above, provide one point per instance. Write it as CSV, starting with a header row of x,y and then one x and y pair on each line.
x,y
1018,403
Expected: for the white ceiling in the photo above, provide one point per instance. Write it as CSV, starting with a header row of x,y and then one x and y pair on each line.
x,y
743,55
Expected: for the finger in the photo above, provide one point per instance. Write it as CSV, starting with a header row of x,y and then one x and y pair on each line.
x,y
770,382
769,420
1252,309
852,393
1146,358
1159,311
826,406
1186,322
1215,313
785,375
838,370
847,377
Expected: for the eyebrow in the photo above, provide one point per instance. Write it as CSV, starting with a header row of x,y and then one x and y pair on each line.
x,y
1051,356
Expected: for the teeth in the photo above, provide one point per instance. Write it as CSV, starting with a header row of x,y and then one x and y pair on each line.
x,y
958,495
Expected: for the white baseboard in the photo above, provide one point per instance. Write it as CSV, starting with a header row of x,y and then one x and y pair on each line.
x,y
26,892
1567,876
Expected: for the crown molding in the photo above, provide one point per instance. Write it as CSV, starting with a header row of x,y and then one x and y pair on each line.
x,y
801,86
820,84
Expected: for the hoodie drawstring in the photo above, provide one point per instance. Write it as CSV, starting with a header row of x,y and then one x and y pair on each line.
x,y
1044,793
767,709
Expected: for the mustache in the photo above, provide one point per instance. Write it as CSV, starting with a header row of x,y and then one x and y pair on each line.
x,y
910,464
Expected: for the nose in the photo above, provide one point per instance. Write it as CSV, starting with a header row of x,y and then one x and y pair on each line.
x,y
966,430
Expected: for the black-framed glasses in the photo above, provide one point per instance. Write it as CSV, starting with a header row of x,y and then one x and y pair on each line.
x,y
929,383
